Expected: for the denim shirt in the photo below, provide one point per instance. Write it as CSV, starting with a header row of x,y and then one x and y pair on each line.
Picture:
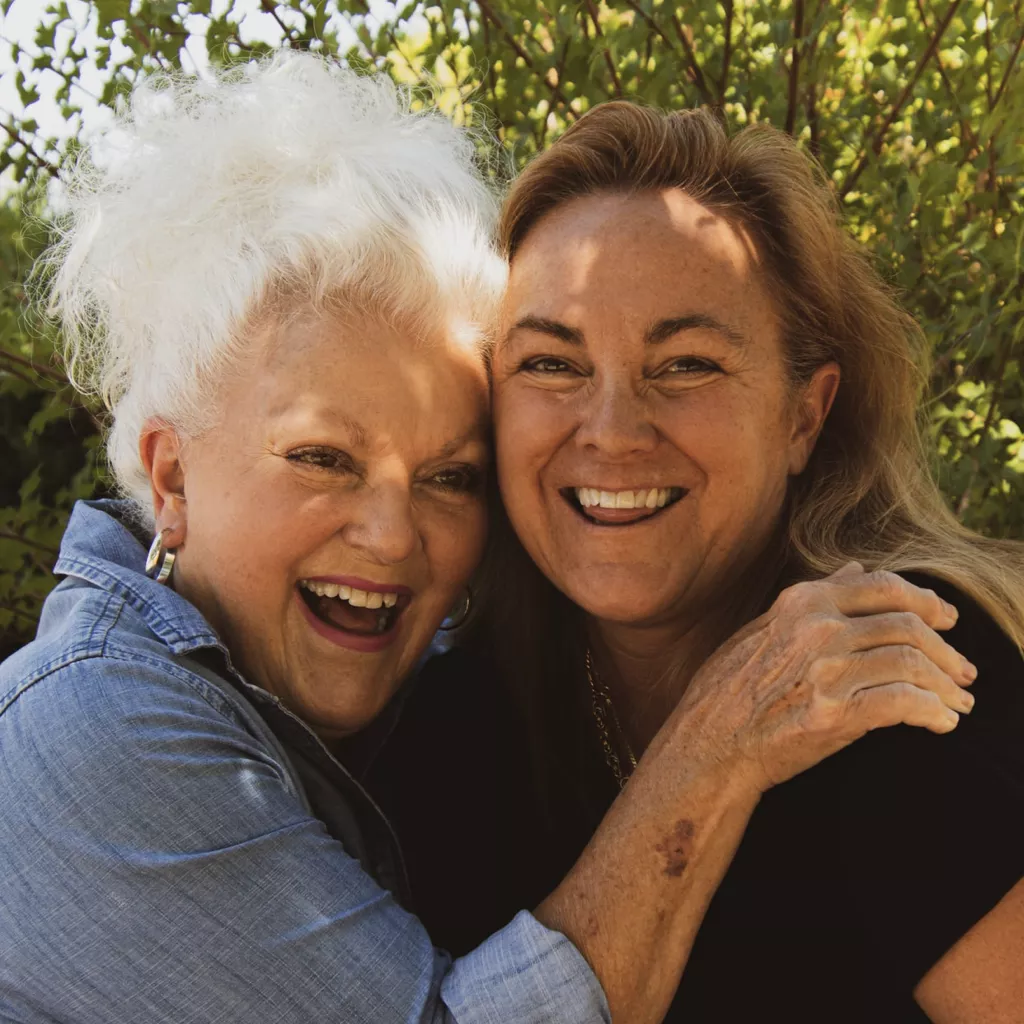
x,y
177,847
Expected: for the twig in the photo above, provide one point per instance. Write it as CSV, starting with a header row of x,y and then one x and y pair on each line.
x,y
269,7
39,371
1009,69
794,64
691,56
41,161
965,128
723,84
556,90
44,548
876,143
609,63
997,385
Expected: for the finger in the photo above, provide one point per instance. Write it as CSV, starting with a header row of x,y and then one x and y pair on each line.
x,y
896,628
850,569
900,704
875,593
900,663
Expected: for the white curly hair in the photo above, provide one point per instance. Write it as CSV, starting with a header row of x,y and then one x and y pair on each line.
x,y
285,182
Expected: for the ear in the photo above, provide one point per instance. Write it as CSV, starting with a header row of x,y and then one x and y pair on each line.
x,y
811,408
160,449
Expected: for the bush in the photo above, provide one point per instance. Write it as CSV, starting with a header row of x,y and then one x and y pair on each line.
x,y
916,113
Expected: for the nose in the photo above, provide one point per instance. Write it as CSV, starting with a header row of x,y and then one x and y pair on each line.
x,y
615,420
382,525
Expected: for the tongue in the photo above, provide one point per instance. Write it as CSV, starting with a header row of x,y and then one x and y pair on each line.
x,y
341,614
618,515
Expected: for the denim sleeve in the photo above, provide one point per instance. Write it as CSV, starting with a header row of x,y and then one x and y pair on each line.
x,y
158,870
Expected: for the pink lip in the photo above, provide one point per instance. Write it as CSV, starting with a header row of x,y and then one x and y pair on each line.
x,y
364,644
360,584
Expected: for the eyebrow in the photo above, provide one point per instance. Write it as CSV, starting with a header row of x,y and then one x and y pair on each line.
x,y
542,325
665,329
449,449
660,332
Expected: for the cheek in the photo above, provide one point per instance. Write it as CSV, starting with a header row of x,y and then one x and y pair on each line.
x,y
455,546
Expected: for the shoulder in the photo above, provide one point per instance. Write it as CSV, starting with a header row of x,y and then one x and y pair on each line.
x,y
122,723
929,827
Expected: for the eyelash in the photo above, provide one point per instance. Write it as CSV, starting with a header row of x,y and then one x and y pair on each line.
x,y
692,364
321,458
470,478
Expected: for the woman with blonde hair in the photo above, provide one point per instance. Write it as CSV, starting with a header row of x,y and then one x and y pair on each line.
x,y
704,398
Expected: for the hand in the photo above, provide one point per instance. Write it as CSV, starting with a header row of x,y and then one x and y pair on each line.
x,y
829,661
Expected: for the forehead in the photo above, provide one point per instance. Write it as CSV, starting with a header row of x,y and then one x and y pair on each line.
x,y
332,371
646,255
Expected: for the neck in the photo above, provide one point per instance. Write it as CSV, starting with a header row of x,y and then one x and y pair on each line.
x,y
647,667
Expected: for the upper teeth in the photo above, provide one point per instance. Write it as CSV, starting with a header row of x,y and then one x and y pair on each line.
x,y
356,598
653,497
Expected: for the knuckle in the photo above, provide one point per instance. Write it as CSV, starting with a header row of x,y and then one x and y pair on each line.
x,y
825,671
887,584
797,597
910,662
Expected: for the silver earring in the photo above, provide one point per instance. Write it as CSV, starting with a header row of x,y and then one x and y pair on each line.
x,y
459,614
160,560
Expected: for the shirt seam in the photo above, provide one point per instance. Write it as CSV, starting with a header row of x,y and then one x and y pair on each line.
x,y
114,652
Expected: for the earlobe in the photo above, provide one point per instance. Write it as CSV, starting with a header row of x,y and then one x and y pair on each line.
x,y
160,449
812,410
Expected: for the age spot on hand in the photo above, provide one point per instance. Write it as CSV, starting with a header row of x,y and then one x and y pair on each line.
x,y
676,847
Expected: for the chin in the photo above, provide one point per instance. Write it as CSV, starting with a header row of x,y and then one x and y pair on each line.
x,y
621,608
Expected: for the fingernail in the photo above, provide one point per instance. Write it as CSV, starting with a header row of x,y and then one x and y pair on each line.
x,y
951,610
970,670
968,701
952,717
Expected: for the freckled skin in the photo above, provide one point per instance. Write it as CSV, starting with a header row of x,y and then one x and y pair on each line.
x,y
630,415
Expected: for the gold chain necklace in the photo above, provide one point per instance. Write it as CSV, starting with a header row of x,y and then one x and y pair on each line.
x,y
607,719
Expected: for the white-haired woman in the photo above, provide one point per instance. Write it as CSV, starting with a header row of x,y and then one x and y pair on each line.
x,y
277,280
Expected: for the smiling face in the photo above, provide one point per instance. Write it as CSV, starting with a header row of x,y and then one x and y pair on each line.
x,y
334,515
645,425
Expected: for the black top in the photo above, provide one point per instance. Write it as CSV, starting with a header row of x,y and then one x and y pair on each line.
x,y
851,881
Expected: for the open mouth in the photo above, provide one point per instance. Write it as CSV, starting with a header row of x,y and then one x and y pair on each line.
x,y
621,508
360,613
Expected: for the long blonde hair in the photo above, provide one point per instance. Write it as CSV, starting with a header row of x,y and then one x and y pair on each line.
x,y
867,493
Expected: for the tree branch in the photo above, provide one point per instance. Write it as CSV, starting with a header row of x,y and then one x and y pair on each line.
x,y
876,143
1009,69
696,73
794,64
609,63
723,83
556,89
39,371
41,162
44,548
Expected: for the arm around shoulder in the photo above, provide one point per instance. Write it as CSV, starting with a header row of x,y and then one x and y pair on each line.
x,y
159,868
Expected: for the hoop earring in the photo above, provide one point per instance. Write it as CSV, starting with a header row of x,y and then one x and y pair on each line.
x,y
160,560
459,614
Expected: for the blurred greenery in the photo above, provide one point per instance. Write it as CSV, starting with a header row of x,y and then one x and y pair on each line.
x,y
914,107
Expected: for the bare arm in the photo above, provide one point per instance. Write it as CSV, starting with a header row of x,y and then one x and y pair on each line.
x,y
828,662
981,979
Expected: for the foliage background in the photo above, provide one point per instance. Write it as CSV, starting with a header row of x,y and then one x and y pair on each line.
x,y
914,107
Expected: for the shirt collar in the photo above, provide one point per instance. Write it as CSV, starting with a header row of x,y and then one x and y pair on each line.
x,y
104,547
